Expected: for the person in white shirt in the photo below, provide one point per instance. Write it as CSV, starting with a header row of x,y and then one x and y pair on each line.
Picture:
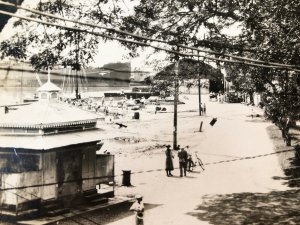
x,y
138,208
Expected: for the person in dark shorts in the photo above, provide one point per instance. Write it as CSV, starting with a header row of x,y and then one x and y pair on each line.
x,y
183,158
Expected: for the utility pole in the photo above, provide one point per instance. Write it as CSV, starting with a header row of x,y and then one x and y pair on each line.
x,y
76,88
77,67
199,93
176,86
199,86
21,95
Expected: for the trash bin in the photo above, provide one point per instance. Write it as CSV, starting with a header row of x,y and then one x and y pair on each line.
x,y
136,115
126,178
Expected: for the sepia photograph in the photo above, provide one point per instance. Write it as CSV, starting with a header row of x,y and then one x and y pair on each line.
x,y
145,112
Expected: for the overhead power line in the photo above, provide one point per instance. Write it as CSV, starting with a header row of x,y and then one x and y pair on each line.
x,y
144,44
146,171
149,39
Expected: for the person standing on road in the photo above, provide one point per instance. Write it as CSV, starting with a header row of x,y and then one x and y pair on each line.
x,y
204,108
138,208
183,157
190,163
169,161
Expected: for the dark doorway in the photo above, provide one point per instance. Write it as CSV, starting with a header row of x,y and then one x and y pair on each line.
x,y
216,86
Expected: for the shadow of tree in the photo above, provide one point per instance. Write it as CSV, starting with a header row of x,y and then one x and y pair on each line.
x,y
289,160
293,172
291,169
276,207
105,215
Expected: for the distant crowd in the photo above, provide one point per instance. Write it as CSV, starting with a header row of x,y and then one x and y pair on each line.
x,y
109,106
219,97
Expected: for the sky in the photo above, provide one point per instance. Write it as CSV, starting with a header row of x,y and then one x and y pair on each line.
x,y
112,51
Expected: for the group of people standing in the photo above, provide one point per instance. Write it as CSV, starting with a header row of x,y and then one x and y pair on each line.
x,y
219,97
185,164
185,161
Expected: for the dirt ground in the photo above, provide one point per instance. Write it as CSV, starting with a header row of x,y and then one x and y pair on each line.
x,y
243,181
239,181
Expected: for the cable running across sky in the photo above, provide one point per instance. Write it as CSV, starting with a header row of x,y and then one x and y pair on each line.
x,y
241,60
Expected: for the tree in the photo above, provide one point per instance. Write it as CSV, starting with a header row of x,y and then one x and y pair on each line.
x,y
282,104
270,32
46,46
189,71
245,80
272,28
5,18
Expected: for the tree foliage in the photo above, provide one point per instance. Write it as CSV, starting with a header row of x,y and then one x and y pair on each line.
x,y
189,72
46,46
273,27
269,31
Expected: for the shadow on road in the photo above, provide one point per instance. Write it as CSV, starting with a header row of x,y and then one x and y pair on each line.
x,y
289,160
105,216
291,169
276,207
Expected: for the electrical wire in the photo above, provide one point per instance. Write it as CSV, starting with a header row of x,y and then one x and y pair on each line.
x,y
147,38
142,44
282,66
154,170
157,170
